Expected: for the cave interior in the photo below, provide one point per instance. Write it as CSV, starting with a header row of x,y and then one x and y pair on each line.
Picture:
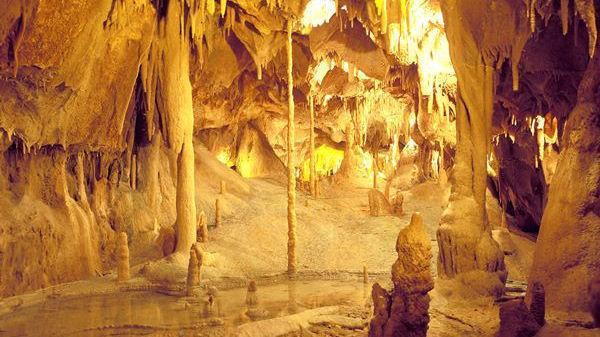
x,y
272,168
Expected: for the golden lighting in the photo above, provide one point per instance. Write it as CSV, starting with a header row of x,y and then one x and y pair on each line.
x,y
224,157
328,161
245,167
318,12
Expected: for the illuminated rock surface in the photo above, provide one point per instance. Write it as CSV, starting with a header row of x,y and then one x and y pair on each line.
x,y
288,138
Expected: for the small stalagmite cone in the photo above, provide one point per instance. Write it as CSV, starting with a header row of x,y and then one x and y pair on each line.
x,y
251,298
200,258
202,228
223,187
365,275
193,277
217,212
122,258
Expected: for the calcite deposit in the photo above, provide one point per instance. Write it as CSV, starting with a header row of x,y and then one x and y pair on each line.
x,y
304,134
405,310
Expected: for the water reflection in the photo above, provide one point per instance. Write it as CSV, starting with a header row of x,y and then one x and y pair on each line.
x,y
149,312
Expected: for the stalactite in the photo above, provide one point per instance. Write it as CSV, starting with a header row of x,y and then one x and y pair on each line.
x,y
313,160
210,7
564,15
532,4
122,258
587,11
365,275
291,188
384,21
223,7
81,186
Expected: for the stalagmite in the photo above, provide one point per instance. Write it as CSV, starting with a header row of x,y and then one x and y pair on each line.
x,y
397,204
313,158
538,303
193,276
217,212
378,204
133,179
516,320
381,314
539,135
291,143
407,311
251,298
223,187
375,169
122,258
186,209
202,228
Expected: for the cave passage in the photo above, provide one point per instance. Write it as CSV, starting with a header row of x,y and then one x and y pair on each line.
x,y
273,168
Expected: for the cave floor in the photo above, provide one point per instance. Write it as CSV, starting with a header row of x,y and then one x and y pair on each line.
x,y
336,238
252,240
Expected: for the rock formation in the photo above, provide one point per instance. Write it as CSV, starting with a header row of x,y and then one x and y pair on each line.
x,y
251,298
538,303
397,203
291,182
378,204
567,251
122,258
516,320
381,314
167,240
217,212
202,228
594,294
223,187
193,274
404,311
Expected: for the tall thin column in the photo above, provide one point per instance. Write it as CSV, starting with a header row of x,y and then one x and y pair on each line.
x,y
290,147
313,159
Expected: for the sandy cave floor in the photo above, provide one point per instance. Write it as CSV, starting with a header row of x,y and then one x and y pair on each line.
x,y
336,238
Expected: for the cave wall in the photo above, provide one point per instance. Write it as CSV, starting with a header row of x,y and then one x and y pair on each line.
x,y
567,255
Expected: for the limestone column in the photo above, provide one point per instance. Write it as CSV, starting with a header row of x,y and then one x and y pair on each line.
x,y
464,237
313,158
291,188
178,120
